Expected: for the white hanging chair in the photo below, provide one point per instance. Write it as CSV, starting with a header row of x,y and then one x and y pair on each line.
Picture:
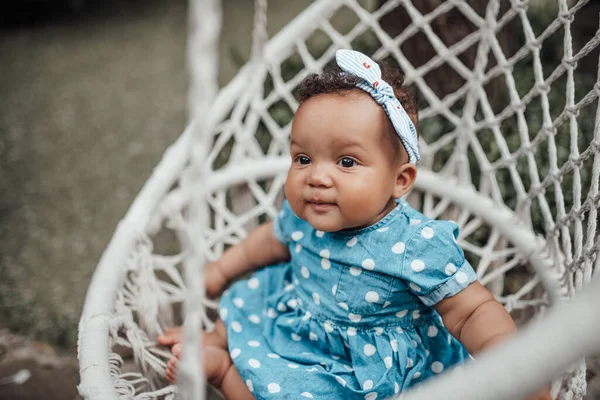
x,y
521,181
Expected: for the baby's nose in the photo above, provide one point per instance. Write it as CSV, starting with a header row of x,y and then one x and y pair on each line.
x,y
319,178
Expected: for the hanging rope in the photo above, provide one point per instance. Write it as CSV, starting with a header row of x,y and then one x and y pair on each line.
x,y
203,55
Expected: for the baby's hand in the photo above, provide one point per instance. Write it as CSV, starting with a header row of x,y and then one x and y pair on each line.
x,y
214,280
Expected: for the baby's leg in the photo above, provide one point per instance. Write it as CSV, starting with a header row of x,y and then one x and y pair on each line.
x,y
216,338
220,372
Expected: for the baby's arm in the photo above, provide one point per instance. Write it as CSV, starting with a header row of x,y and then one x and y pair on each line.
x,y
258,249
475,318
478,321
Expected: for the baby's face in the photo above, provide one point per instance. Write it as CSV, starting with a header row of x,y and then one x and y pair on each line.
x,y
343,173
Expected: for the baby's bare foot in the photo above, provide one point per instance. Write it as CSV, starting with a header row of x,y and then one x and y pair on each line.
x,y
216,364
218,337
170,337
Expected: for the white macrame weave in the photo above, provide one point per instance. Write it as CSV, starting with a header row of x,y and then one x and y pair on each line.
x,y
520,176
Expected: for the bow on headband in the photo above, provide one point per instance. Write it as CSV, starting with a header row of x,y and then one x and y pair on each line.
x,y
370,81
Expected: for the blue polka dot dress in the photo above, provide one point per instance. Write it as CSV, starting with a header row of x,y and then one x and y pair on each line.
x,y
349,316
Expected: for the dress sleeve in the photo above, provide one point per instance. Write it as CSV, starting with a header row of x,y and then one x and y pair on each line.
x,y
434,265
281,223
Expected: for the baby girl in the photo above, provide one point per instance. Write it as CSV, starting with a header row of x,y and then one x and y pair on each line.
x,y
355,294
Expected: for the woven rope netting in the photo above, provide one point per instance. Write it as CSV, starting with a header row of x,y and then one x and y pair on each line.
x,y
511,153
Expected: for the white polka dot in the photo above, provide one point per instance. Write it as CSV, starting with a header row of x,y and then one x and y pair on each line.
x,y
316,298
414,287
319,233
416,375
450,269
437,367
250,385
235,353
369,349
295,337
223,313
273,355
335,357
368,384
255,319
352,242
398,248
304,272
355,271
312,337
461,277
371,396
238,302
297,235
415,344
273,388
254,363
427,353
289,287
253,343
354,317
384,229
328,325
298,248
281,307
271,313
296,281
253,283
396,387
306,316
293,366
340,380
432,331
410,363
236,326
399,330
449,339
372,297
348,368
378,330
417,265
312,369
415,221
416,314
307,395
351,331
388,362
325,263
343,305
334,289
292,303
387,303
427,232
368,264
401,313
394,344
325,253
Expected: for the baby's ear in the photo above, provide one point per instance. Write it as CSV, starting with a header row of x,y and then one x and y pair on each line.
x,y
405,178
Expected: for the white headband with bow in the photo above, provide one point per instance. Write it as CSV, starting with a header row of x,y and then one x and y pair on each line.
x,y
370,81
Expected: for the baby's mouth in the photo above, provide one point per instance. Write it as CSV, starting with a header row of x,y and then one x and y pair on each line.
x,y
321,205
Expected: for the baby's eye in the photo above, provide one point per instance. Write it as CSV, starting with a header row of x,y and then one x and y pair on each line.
x,y
302,160
347,162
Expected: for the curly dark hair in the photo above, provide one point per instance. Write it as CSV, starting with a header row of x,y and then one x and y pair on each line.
x,y
333,81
